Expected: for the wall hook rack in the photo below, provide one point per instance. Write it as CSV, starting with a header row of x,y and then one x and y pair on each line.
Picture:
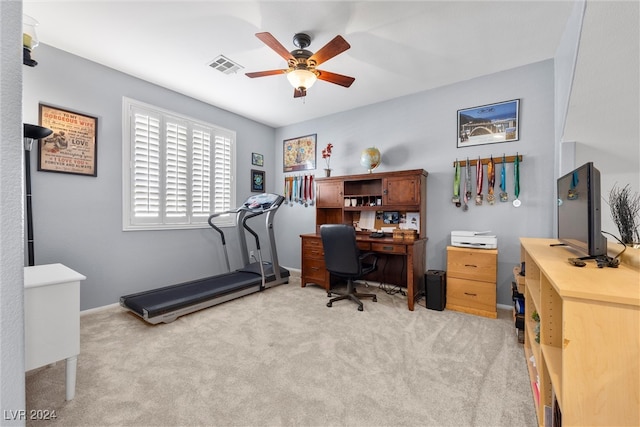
x,y
496,160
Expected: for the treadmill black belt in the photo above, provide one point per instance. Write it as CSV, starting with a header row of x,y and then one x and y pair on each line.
x,y
160,301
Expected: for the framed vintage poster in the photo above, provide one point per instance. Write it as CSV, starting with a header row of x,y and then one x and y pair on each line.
x,y
72,147
488,124
257,159
257,181
299,154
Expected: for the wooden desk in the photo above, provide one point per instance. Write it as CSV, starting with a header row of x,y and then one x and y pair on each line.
x,y
52,319
408,273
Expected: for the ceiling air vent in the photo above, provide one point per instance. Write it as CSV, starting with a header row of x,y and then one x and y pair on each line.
x,y
225,65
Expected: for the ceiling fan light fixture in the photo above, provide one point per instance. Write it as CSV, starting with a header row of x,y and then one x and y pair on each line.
x,y
301,78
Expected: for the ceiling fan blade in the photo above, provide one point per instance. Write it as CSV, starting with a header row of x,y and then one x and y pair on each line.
x,y
297,93
338,79
274,44
265,73
331,49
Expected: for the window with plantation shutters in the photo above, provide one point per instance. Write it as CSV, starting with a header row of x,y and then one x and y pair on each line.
x,y
177,170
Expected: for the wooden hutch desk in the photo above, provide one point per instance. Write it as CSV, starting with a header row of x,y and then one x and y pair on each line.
x,y
403,262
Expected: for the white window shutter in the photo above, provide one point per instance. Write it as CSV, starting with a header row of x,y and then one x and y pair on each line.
x,y
222,171
201,173
146,169
176,172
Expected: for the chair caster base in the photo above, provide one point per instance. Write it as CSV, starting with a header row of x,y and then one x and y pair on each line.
x,y
329,304
360,308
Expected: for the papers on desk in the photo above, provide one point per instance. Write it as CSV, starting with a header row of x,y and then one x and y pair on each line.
x,y
367,220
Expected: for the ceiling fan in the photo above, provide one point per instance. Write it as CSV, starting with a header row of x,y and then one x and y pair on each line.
x,y
302,72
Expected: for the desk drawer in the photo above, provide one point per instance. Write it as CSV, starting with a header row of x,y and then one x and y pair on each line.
x,y
364,246
474,264
314,270
389,248
312,248
471,294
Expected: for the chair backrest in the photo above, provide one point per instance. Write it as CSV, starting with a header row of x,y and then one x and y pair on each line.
x,y
341,253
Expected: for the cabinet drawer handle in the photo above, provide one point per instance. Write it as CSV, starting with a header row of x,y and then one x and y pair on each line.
x,y
471,265
315,268
470,294
387,248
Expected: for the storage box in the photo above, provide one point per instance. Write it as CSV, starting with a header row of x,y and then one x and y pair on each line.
x,y
409,235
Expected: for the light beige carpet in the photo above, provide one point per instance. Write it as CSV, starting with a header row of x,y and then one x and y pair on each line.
x,y
281,357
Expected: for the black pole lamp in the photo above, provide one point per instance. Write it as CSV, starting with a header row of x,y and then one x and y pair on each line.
x,y
31,133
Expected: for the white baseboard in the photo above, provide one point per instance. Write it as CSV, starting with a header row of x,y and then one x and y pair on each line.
x,y
97,309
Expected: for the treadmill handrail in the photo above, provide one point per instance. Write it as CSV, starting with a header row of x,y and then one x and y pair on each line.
x,y
215,227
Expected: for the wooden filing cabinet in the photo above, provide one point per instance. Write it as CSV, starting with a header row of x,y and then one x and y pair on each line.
x,y
471,280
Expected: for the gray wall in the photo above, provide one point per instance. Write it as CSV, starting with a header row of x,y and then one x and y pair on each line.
x,y
419,131
78,219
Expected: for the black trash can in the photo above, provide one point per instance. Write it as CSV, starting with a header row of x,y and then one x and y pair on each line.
x,y
435,283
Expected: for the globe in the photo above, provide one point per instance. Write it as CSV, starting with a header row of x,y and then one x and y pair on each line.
x,y
370,158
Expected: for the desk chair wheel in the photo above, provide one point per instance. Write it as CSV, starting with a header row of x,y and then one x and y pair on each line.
x,y
374,299
360,307
329,304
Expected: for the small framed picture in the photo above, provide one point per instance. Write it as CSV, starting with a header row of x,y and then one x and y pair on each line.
x,y
391,217
257,181
257,159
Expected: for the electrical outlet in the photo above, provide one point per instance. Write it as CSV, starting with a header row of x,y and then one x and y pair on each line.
x,y
251,255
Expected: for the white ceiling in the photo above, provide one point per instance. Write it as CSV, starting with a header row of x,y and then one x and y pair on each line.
x,y
397,48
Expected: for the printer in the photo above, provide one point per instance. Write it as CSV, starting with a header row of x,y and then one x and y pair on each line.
x,y
474,239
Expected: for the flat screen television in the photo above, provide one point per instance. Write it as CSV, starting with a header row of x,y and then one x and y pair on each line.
x,y
579,211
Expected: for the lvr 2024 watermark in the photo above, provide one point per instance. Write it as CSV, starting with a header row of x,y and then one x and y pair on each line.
x,y
32,414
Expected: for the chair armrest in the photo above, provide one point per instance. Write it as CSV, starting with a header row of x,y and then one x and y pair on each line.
x,y
365,255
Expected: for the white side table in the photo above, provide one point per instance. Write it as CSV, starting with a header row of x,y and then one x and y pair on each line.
x,y
52,319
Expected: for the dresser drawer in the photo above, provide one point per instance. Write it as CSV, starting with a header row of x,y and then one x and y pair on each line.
x,y
474,264
389,248
471,293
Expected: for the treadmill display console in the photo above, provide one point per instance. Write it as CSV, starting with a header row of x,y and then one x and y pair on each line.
x,y
261,201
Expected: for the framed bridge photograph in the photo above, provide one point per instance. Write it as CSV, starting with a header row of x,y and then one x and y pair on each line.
x,y
489,124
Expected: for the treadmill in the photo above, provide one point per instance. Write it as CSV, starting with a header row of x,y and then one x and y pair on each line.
x,y
164,305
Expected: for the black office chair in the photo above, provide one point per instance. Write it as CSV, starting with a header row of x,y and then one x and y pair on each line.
x,y
343,258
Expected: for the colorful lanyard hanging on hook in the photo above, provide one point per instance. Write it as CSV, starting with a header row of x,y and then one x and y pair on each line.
x,y
467,186
516,181
491,180
456,186
504,197
479,179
